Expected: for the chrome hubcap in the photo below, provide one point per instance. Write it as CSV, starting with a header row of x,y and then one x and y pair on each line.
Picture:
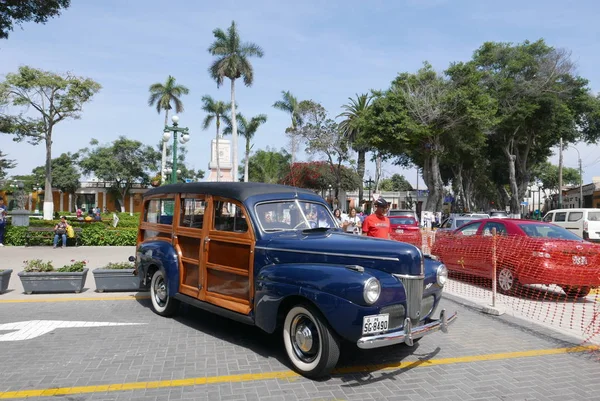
x,y
505,279
160,291
305,338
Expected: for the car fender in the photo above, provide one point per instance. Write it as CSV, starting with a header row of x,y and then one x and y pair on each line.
x,y
336,290
162,255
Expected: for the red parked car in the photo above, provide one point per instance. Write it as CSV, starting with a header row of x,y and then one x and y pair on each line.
x,y
527,252
405,229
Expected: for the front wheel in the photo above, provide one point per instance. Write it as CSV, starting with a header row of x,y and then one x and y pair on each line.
x,y
576,292
311,345
162,304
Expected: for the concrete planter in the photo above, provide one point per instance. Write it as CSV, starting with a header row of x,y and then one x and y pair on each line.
x,y
116,280
53,281
4,279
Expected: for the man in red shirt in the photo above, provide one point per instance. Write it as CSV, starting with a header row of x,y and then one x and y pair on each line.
x,y
377,224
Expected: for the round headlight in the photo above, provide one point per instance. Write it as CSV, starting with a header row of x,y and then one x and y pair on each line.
x,y
372,290
442,275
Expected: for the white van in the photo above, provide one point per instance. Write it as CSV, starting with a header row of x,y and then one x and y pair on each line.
x,y
582,222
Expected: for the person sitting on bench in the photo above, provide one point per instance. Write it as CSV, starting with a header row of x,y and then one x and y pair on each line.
x,y
60,229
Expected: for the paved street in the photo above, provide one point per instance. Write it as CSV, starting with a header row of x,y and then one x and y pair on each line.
x,y
200,356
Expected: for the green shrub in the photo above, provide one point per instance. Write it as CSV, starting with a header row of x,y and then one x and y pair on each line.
x,y
15,235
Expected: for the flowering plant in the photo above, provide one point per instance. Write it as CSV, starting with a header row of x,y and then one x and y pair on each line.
x,y
75,266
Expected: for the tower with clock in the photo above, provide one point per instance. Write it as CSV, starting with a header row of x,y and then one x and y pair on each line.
x,y
225,165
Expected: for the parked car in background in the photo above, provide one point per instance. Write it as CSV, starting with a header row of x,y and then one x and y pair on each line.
x,y
405,229
584,223
498,214
272,256
478,215
527,252
454,222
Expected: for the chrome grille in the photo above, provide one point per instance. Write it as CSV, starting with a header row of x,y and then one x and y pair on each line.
x,y
397,313
413,285
427,305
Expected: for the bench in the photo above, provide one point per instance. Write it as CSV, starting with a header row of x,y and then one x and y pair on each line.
x,y
49,231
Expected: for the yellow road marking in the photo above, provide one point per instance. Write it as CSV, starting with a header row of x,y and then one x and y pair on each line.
x,y
196,381
117,298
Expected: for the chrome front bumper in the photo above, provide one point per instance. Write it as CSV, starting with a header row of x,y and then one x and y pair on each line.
x,y
408,333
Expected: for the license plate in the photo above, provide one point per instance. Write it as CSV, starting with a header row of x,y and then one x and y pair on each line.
x,y
375,323
579,260
399,231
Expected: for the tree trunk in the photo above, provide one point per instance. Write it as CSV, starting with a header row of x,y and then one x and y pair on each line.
x,y
123,195
217,149
234,134
48,196
433,180
360,170
512,179
377,172
247,159
163,160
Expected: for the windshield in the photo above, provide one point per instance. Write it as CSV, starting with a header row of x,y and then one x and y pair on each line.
x,y
293,215
548,231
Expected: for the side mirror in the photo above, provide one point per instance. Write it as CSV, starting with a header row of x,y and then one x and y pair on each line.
x,y
132,258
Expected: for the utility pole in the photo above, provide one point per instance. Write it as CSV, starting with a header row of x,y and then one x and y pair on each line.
x,y
580,183
560,166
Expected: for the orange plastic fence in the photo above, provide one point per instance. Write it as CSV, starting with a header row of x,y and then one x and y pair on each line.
x,y
551,281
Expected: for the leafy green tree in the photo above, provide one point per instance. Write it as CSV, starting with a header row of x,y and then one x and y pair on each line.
x,y
354,110
232,62
290,104
123,163
323,136
164,97
268,166
65,175
5,165
247,129
215,110
19,11
55,98
396,182
540,100
547,174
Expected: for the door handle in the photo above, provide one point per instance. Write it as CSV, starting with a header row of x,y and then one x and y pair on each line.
x,y
206,241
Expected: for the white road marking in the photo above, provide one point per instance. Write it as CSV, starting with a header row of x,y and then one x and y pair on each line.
x,y
35,328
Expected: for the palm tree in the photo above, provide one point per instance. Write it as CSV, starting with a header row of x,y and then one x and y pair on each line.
x,y
247,129
291,105
215,111
164,95
351,130
232,62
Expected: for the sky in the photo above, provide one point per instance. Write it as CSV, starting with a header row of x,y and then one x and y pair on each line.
x,y
326,51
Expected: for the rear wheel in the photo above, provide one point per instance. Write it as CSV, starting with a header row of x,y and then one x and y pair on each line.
x,y
507,282
576,292
162,304
311,345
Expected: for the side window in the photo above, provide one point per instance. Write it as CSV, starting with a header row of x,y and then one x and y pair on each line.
x,y
469,229
229,217
488,229
560,216
594,216
192,213
159,211
575,216
548,217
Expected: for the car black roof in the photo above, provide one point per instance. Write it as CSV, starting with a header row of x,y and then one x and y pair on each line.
x,y
234,190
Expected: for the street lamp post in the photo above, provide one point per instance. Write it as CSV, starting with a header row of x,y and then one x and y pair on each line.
x,y
330,198
580,177
369,182
185,136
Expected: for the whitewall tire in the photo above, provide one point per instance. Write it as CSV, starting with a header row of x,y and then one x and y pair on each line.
x,y
311,345
162,304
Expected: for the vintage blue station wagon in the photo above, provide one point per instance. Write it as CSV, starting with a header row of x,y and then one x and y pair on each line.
x,y
272,256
